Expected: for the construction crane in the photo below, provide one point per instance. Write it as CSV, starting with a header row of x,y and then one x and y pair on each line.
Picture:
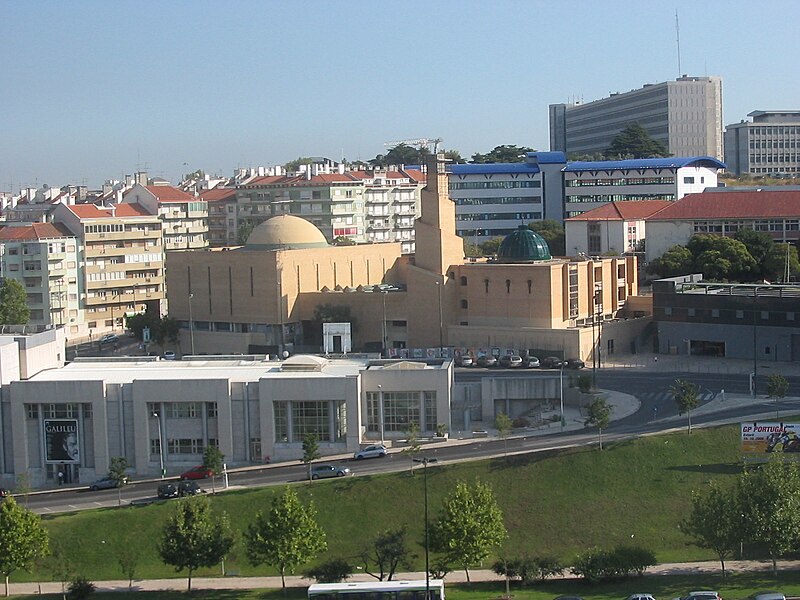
x,y
419,143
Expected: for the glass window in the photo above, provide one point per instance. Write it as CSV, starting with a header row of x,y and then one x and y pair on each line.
x,y
32,411
310,417
181,410
211,410
281,422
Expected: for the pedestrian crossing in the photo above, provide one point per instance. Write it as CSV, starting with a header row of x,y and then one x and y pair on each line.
x,y
661,398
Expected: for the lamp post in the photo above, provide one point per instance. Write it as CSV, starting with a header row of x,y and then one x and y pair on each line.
x,y
561,391
191,323
441,338
160,444
380,411
424,462
755,346
383,329
595,338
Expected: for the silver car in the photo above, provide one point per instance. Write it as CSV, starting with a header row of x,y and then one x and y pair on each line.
x,y
326,471
374,451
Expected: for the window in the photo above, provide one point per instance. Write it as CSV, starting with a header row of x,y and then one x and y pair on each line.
x,y
185,446
211,410
32,411
667,310
310,417
181,410
255,449
790,316
281,422
508,286
764,315
715,312
688,180
486,285
463,280
155,447
464,304
690,312
740,314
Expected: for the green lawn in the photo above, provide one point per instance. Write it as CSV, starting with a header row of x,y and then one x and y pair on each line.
x,y
554,503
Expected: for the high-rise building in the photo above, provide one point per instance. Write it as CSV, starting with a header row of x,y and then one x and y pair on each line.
x,y
769,144
685,115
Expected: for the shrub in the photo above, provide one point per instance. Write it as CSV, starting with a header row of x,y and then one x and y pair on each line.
x,y
520,422
80,588
335,570
634,559
591,565
528,570
585,383
547,566
624,561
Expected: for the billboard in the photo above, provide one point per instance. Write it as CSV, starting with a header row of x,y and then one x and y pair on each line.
x,y
770,436
61,441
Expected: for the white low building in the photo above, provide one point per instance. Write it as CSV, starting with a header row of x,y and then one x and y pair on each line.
x,y
74,419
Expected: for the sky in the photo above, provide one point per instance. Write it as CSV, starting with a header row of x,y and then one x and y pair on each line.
x,y
92,90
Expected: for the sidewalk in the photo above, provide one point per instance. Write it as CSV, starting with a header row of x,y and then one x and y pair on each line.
x,y
698,364
476,575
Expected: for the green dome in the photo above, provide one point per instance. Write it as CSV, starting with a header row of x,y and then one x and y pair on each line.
x,y
523,245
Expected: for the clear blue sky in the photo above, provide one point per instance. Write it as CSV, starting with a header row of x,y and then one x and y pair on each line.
x,y
91,89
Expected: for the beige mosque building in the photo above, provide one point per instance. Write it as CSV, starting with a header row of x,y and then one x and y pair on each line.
x,y
263,296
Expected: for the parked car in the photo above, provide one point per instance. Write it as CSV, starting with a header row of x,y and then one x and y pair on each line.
x,y
574,363
641,597
487,361
108,338
4,493
551,362
169,355
167,490
510,361
106,483
702,595
326,471
767,596
374,451
465,361
530,362
567,598
199,472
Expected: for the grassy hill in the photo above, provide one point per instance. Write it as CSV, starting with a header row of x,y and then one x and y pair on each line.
x,y
556,503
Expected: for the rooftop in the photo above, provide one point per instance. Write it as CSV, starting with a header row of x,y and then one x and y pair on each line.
x,y
734,205
632,210
34,231
671,162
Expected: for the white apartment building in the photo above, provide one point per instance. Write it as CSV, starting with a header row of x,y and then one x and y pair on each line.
x,y
184,216
44,258
768,145
591,184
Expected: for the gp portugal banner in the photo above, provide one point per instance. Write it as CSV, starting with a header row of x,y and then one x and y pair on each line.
x,y
765,436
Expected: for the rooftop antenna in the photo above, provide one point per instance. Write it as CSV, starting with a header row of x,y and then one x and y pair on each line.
x,y
678,40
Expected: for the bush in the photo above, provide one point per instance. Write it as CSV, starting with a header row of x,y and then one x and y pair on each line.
x,y
335,570
80,588
528,570
585,383
624,561
520,422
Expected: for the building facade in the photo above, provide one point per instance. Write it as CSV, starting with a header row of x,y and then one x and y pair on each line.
x,y
769,144
72,420
184,217
491,200
44,258
685,115
591,184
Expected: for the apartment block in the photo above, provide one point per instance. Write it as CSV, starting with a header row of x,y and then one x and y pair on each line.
x,y
121,261
685,115
43,257
222,221
768,145
184,217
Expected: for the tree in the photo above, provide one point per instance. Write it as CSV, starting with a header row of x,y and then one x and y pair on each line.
x,y
686,396
777,386
758,244
401,154
490,247
709,248
454,156
634,142
678,260
469,526
553,233
598,414
61,568
503,424
13,303
285,537
388,552
128,560
714,522
770,506
246,227
294,165
343,240
168,331
503,154
334,570
310,451
23,538
193,537
774,265
414,446
212,460
117,472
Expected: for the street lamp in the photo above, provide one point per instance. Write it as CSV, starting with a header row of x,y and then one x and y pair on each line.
x,y
160,444
383,329
561,391
424,462
595,338
755,351
380,411
191,323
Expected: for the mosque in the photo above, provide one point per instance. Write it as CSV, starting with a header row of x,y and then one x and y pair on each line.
x,y
271,295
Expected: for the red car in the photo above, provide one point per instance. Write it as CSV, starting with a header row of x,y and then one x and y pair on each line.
x,y
197,473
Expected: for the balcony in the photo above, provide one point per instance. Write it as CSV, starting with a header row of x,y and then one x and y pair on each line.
x,y
378,226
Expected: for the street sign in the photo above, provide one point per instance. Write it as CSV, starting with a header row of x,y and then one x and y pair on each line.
x,y
146,335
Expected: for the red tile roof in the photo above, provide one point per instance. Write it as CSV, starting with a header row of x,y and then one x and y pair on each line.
x,y
630,210
167,193
266,180
218,194
36,231
415,175
732,205
90,211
